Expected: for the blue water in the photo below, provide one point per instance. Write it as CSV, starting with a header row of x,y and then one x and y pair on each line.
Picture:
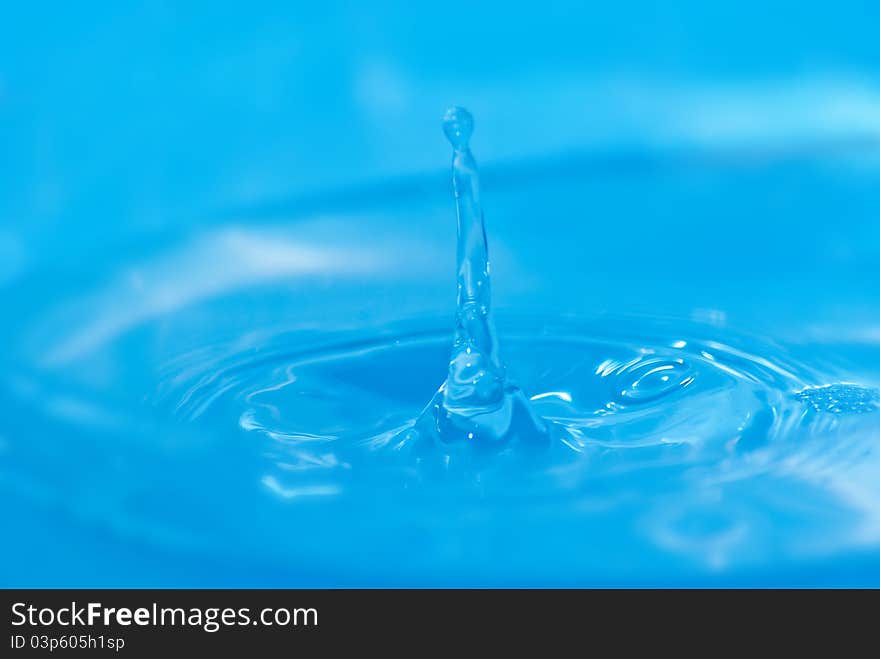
x,y
228,276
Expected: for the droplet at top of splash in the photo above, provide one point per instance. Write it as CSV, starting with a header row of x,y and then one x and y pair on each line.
x,y
458,124
477,403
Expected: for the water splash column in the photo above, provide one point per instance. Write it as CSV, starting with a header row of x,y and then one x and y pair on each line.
x,y
476,404
476,373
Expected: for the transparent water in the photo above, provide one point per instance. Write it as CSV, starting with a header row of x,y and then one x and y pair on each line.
x,y
237,407
224,309
477,403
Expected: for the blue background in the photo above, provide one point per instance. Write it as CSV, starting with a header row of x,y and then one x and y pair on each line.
x,y
718,161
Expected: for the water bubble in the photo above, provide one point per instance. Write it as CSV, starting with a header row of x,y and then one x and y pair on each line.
x,y
840,398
